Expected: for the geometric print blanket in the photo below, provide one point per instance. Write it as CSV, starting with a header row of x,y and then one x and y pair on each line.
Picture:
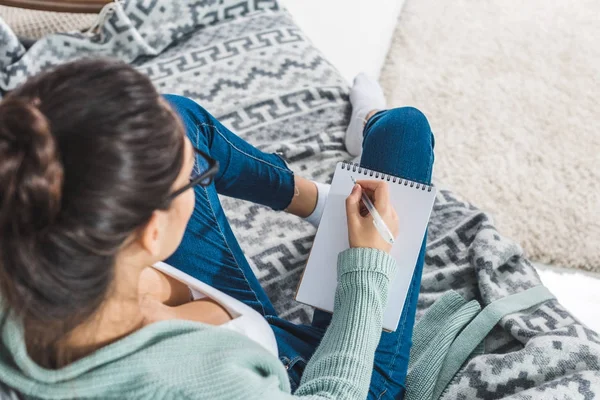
x,y
248,63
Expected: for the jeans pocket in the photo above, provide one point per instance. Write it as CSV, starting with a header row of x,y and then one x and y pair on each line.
x,y
295,369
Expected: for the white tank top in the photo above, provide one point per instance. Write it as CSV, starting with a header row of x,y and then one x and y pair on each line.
x,y
245,320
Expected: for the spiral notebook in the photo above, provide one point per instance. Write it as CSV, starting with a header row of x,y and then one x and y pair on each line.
x,y
413,203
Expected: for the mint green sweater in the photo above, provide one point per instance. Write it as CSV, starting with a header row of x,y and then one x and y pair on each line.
x,y
190,360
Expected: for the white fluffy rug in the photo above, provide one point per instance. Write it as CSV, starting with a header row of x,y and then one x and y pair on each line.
x,y
512,93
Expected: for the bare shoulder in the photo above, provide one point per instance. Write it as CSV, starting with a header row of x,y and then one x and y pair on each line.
x,y
163,288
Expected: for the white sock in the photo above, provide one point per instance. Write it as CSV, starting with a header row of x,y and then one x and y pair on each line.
x,y
322,193
366,95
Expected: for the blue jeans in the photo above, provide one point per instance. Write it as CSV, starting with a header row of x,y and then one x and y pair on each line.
x,y
397,142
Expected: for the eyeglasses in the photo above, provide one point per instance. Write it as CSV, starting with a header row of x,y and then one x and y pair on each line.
x,y
200,175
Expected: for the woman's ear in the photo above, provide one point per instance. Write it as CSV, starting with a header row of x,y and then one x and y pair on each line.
x,y
151,235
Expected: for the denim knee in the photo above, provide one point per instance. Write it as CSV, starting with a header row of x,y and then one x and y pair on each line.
x,y
399,141
409,123
409,116
197,121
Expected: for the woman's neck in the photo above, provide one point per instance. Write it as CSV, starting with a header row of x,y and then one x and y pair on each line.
x,y
119,316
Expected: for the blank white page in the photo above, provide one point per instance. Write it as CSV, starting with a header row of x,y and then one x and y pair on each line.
x,y
413,206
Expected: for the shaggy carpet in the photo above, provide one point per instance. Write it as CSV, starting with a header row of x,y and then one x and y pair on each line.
x,y
511,90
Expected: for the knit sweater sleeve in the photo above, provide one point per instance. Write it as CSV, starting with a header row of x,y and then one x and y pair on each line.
x,y
341,366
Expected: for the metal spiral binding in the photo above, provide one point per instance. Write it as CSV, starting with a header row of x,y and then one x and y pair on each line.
x,y
367,172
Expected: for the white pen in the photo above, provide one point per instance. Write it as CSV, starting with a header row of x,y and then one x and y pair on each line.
x,y
382,228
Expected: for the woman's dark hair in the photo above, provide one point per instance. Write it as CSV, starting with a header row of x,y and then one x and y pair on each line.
x,y
87,152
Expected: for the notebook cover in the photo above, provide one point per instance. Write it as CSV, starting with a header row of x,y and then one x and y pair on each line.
x,y
413,203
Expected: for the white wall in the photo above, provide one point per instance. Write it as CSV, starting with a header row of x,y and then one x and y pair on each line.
x,y
353,34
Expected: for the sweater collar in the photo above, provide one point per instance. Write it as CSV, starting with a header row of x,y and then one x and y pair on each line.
x,y
16,365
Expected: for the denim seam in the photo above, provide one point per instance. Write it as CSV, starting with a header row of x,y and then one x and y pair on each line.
x,y
291,364
400,336
409,295
430,169
381,394
216,221
294,361
243,152
393,360
231,252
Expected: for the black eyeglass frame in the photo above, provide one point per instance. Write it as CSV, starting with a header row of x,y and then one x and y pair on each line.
x,y
213,169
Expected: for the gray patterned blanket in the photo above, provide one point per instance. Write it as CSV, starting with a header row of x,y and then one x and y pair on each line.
x,y
248,63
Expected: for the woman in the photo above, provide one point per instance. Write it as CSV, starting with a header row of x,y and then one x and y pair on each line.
x,y
95,188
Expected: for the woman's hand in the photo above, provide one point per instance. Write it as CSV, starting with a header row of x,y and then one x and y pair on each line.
x,y
361,230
